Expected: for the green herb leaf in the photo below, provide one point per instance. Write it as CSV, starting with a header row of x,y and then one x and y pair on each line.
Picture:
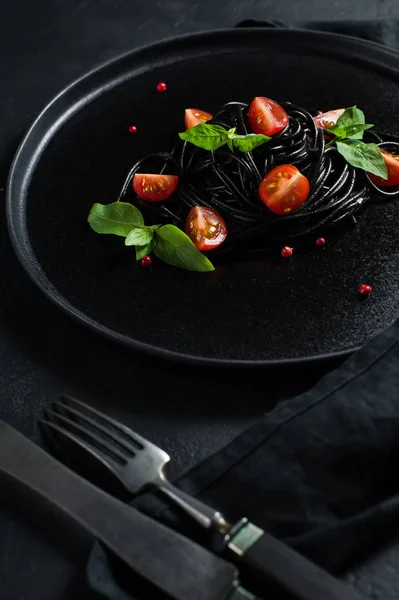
x,y
212,137
363,156
352,115
336,131
246,143
351,132
174,247
118,218
355,132
209,137
351,124
139,237
144,250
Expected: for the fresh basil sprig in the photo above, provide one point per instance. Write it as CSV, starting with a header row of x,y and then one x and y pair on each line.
x,y
168,242
350,125
139,237
212,137
174,247
363,156
348,133
245,143
144,250
118,218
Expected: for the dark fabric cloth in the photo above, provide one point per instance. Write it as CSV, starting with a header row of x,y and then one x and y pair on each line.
x,y
319,471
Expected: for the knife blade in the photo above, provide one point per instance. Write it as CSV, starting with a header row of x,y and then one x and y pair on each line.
x,y
169,561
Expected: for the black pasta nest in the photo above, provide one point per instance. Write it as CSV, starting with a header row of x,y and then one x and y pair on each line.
x,y
228,181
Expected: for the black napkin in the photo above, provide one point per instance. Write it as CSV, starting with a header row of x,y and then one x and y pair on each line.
x,y
320,470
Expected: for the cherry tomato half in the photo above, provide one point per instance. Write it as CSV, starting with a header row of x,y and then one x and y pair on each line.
x,y
328,119
392,163
195,116
154,188
266,116
205,227
284,189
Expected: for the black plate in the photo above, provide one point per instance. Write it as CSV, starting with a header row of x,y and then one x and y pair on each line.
x,y
257,312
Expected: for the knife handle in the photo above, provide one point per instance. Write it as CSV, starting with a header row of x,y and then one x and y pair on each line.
x,y
263,559
169,561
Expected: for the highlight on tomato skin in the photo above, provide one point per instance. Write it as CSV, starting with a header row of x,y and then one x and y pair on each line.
x,y
329,118
196,116
284,189
266,116
154,188
392,164
205,227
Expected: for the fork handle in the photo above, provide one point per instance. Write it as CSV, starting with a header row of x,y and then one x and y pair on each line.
x,y
262,558
206,516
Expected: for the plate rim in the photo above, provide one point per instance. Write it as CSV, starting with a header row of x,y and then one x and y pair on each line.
x,y
33,268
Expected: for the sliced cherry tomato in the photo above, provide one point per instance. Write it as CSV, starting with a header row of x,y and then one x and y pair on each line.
x,y
154,188
205,227
328,119
392,163
266,116
284,189
195,116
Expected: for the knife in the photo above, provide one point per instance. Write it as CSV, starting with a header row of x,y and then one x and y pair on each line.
x,y
169,561
264,561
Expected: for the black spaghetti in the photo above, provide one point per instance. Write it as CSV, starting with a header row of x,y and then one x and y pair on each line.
x,y
228,181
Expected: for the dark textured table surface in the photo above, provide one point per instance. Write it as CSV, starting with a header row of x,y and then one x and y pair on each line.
x,y
44,46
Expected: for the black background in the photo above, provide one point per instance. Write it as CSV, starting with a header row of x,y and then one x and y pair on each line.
x,y
190,412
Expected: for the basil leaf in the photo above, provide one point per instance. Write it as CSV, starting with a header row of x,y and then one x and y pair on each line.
x,y
352,115
212,137
139,237
337,131
174,247
354,131
363,156
144,250
246,143
209,137
118,218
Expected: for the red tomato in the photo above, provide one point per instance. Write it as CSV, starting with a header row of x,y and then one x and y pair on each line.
x,y
392,163
195,116
205,227
328,119
284,189
154,188
266,116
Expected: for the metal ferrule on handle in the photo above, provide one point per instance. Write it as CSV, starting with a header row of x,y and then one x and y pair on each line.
x,y
264,559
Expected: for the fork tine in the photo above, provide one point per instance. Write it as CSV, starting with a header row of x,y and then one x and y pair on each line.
x,y
65,408
141,441
51,439
108,462
94,440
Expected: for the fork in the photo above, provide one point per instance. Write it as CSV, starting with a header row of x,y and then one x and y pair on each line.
x,y
139,465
